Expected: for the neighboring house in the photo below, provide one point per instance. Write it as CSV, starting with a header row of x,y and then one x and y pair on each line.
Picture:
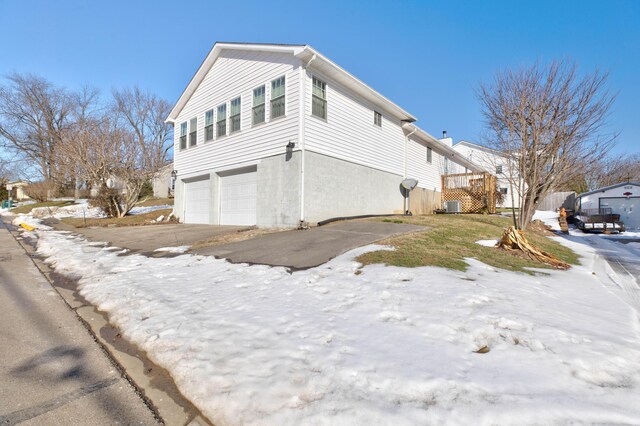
x,y
497,164
17,190
113,182
279,135
163,182
622,198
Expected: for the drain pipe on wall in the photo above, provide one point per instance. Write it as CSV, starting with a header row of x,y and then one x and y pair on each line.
x,y
406,147
301,132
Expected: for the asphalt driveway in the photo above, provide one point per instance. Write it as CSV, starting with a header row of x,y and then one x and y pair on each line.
x,y
146,239
312,247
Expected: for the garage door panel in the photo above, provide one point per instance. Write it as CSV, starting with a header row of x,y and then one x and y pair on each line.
x,y
627,208
197,201
238,199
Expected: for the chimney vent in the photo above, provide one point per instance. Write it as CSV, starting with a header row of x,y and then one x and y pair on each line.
x,y
444,134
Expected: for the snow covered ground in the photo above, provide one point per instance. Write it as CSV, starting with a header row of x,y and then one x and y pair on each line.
x,y
345,344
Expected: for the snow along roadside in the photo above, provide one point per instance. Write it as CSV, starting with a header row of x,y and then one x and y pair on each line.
x,y
257,345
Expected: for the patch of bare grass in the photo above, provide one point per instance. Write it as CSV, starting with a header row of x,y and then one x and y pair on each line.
x,y
149,202
131,220
452,238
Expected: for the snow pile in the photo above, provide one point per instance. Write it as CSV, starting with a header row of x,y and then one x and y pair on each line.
x,y
178,249
80,209
487,243
341,344
549,218
143,210
29,221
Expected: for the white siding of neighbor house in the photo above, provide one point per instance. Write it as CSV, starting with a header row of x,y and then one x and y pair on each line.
x,y
237,73
349,132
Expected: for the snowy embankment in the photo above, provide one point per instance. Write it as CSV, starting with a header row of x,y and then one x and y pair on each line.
x,y
341,344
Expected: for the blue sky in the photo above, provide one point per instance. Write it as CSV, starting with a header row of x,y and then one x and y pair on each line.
x,y
426,56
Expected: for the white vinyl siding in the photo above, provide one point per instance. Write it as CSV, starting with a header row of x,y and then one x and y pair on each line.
x,y
238,73
348,133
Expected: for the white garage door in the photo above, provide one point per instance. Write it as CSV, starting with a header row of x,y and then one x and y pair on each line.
x,y
197,201
238,198
627,208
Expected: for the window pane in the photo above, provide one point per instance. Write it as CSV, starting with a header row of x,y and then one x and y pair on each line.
x,y
277,87
222,128
183,141
235,106
318,107
258,114
222,113
258,96
193,125
183,129
429,155
319,88
209,132
277,107
208,118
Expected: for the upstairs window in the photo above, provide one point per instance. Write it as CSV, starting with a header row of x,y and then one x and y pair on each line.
x,y
183,135
221,124
193,131
234,117
377,118
446,166
504,191
498,169
258,106
429,155
208,125
277,97
319,98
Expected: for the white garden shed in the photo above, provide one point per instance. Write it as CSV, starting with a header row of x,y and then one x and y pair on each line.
x,y
622,199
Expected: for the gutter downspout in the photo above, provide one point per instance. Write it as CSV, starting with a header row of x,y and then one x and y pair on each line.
x,y
301,131
406,147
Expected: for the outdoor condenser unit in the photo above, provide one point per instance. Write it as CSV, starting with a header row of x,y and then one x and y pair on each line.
x,y
453,206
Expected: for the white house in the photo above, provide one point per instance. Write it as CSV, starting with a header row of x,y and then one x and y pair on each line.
x,y
622,199
279,135
16,190
496,163
162,182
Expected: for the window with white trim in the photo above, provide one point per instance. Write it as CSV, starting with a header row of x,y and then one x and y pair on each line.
x,y
257,114
234,115
498,169
319,98
183,135
221,124
208,125
429,155
278,97
193,131
377,118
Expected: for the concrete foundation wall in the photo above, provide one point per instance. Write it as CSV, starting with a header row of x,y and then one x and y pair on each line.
x,y
424,201
278,198
339,188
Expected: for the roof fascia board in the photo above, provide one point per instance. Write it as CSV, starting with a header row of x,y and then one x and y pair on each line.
x,y
606,188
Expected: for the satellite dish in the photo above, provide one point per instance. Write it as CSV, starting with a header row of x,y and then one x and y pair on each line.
x,y
409,184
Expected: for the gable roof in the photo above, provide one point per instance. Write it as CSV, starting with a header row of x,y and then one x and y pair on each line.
x,y
478,146
606,188
306,54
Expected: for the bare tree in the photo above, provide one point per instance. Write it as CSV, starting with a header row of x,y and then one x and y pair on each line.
x,y
145,113
546,120
33,116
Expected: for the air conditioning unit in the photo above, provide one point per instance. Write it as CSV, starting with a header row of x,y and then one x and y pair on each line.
x,y
452,206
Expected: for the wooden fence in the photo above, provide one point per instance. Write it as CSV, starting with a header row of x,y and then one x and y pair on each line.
x,y
557,200
476,192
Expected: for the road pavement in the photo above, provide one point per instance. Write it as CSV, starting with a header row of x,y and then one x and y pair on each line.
x,y
52,372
